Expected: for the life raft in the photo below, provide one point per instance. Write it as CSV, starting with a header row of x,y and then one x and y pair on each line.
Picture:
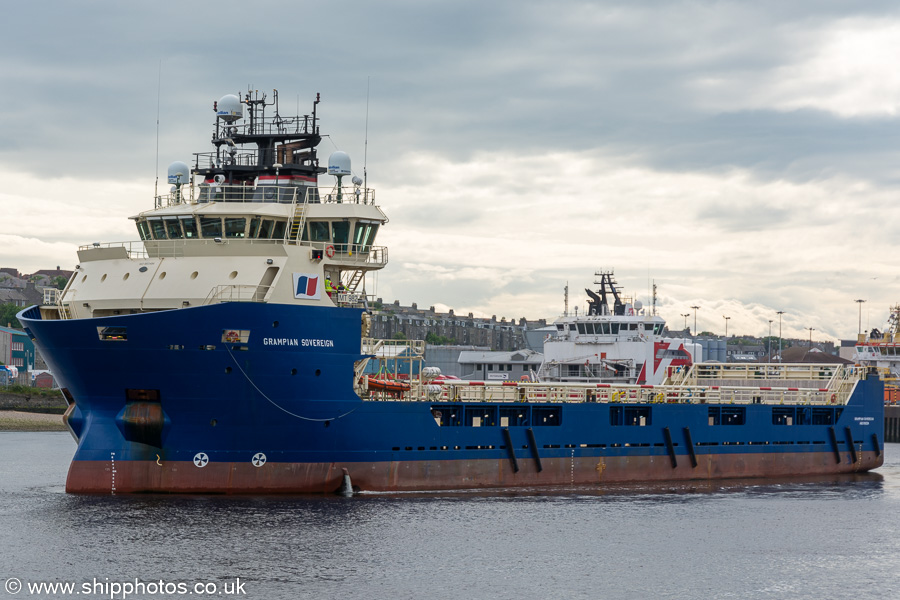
x,y
388,385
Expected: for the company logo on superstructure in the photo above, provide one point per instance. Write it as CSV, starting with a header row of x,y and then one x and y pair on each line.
x,y
306,286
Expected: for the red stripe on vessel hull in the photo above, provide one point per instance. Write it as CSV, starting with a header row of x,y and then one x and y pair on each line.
x,y
105,477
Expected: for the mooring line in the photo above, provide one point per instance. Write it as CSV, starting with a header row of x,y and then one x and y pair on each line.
x,y
275,404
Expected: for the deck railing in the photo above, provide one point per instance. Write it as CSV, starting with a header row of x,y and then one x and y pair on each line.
x,y
808,385
237,293
633,394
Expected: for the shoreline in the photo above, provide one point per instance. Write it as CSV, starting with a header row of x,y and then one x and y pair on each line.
x,y
15,420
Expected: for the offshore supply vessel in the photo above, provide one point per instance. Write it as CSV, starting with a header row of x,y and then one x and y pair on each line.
x,y
227,352
881,349
614,341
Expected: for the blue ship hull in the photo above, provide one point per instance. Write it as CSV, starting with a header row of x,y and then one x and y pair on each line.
x,y
163,403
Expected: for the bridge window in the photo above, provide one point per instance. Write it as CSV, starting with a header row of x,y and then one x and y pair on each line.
x,y
340,235
158,229
190,227
265,229
211,227
364,235
318,231
173,229
143,230
234,227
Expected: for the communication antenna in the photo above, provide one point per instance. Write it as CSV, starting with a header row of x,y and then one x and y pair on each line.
x,y
566,309
366,144
156,169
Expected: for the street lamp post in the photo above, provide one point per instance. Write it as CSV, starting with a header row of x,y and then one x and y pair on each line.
x,y
726,327
696,308
685,315
860,302
770,341
780,313
811,329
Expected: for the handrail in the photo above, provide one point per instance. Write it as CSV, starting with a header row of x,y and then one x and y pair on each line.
x,y
237,293
352,254
765,371
807,387
284,192
489,391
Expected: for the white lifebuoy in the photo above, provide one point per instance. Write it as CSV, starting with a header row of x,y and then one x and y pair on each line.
x,y
329,251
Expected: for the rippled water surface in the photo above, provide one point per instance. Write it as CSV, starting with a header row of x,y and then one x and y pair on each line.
x,y
827,538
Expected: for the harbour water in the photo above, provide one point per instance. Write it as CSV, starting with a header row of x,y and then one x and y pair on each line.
x,y
836,537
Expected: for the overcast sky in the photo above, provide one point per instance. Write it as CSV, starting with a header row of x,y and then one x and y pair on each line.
x,y
742,155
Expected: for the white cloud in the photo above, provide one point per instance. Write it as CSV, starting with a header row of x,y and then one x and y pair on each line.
x,y
846,67
45,220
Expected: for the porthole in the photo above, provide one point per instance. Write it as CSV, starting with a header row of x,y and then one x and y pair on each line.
x,y
125,276
227,370
274,323
232,275
213,422
318,372
194,275
83,279
143,269
293,371
102,279
162,275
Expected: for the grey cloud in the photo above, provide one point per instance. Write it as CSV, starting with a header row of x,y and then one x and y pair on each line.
x,y
456,77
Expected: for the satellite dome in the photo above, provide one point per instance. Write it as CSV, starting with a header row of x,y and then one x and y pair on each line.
x,y
229,108
179,173
357,181
339,163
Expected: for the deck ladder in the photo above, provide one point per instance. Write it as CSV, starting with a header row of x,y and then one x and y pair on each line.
x,y
298,219
355,280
